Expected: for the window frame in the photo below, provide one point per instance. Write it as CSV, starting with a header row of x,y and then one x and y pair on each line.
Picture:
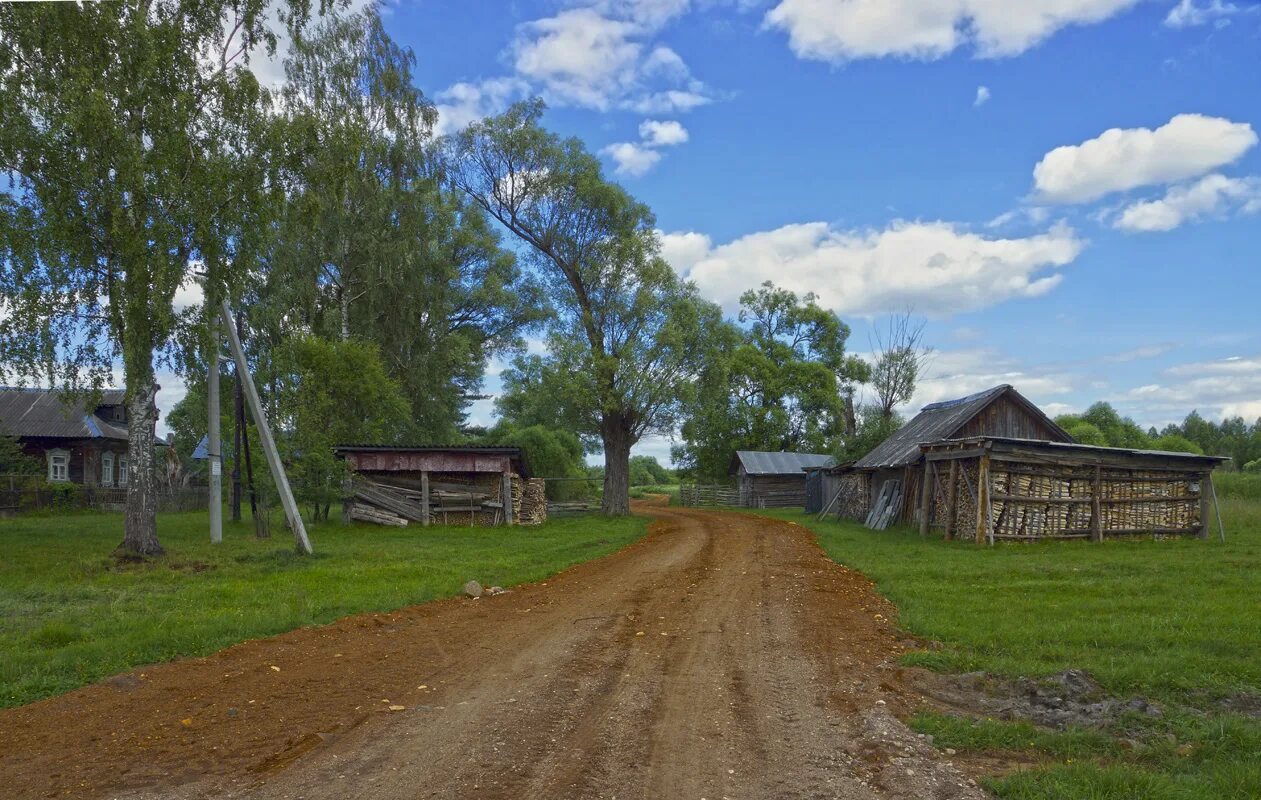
x,y
107,469
53,455
123,475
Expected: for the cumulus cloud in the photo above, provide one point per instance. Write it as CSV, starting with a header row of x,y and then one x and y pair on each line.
x,y
982,96
935,266
630,158
463,103
1209,196
957,373
599,56
845,30
662,133
1225,387
1190,14
1119,159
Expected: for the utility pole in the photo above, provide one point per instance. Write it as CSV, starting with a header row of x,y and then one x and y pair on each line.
x,y
264,435
213,441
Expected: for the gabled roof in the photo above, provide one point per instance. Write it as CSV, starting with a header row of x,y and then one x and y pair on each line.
x,y
758,462
42,413
942,421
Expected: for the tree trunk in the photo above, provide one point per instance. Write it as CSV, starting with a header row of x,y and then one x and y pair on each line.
x,y
343,299
140,526
851,420
617,444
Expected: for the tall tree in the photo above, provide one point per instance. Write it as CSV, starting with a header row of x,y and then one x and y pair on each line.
x,y
627,335
775,381
133,135
899,357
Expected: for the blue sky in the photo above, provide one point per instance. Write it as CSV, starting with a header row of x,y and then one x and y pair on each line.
x,y
1068,190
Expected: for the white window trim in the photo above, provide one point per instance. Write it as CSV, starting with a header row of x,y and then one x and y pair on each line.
x,y
107,468
52,476
122,471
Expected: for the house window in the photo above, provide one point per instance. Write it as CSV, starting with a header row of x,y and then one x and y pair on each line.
x,y
58,466
107,469
122,471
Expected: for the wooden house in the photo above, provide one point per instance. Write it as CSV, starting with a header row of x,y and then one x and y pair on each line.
x,y
449,484
768,480
77,441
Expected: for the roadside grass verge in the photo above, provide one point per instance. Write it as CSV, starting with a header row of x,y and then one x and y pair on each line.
x,y
70,615
670,489
1176,622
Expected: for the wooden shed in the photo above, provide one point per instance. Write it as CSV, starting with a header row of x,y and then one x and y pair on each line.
x,y
991,488
773,479
890,474
450,484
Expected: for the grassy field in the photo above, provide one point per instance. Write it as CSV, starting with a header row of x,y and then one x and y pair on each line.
x,y
1176,622
69,615
670,489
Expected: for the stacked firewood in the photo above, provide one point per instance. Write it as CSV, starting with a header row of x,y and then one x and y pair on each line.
x,y
533,501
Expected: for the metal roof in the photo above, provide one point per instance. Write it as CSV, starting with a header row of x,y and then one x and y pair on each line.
x,y
940,421
758,462
43,413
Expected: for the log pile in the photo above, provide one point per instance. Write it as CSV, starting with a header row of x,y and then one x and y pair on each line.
x,y
453,500
531,502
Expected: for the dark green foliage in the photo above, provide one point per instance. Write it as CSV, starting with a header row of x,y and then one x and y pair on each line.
x,y
550,453
873,428
645,471
333,393
15,462
775,381
1233,437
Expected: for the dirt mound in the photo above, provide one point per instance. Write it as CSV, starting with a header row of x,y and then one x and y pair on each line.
x,y
1071,698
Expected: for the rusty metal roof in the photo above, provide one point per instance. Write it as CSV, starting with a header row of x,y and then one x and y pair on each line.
x,y
43,413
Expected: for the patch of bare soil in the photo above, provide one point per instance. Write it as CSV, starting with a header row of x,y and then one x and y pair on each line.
x,y
1071,698
721,656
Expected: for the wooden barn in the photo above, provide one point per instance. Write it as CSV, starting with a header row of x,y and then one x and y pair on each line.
x,y
993,466
449,485
769,480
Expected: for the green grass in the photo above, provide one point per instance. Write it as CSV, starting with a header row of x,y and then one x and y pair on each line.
x,y
671,489
70,616
1173,621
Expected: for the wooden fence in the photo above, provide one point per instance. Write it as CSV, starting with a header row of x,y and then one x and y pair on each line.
x,y
691,494
22,493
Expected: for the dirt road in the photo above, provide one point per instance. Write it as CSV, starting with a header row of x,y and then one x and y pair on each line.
x,y
723,656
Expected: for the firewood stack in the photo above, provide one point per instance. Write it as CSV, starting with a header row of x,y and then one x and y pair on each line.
x,y
533,503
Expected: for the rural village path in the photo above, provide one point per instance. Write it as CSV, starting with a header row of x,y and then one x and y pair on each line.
x,y
723,656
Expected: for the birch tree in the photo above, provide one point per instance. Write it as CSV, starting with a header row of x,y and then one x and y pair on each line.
x,y
134,140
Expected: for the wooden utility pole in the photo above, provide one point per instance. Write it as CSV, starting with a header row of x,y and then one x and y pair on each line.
x,y
214,444
264,435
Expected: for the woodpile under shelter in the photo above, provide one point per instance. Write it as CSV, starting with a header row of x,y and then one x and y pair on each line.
x,y
993,466
770,480
448,485
995,488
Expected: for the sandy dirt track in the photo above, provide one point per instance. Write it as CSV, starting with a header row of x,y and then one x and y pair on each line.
x,y
723,656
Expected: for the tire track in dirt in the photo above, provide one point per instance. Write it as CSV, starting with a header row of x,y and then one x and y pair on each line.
x,y
722,656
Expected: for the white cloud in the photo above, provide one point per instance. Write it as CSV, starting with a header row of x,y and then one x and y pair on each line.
x,y
844,30
982,96
631,159
1189,14
1211,195
190,294
958,373
934,267
662,133
599,56
1117,160
1225,387
464,103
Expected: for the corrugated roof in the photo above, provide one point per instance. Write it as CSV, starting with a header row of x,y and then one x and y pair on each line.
x,y
757,462
935,422
41,412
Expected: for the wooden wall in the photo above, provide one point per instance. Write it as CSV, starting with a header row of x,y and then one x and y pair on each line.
x,y
1005,417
